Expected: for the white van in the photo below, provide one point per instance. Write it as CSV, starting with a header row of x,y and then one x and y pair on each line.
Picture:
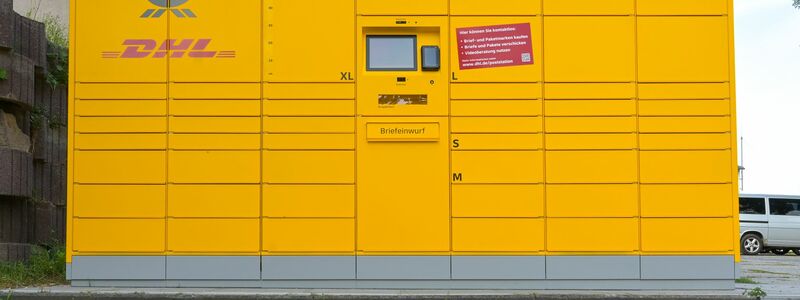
x,y
769,223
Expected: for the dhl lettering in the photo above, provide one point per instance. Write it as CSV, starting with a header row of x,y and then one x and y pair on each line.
x,y
174,48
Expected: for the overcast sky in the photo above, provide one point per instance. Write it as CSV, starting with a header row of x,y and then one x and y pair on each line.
x,y
768,88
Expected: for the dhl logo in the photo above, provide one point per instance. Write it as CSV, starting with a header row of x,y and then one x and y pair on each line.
x,y
145,48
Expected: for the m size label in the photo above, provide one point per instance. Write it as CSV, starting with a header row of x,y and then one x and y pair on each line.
x,y
494,46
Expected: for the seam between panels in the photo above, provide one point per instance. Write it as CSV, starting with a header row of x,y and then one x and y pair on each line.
x,y
638,128
544,130
261,147
166,151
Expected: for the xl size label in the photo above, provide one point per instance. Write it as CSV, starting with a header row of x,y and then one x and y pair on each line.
x,y
494,46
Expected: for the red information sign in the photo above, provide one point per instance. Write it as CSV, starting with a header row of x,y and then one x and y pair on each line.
x,y
494,46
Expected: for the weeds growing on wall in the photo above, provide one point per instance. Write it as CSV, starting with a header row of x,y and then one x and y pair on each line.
x,y
46,266
58,37
3,74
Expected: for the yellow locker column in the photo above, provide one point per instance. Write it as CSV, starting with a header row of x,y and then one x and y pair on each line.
x,y
309,140
688,164
592,202
213,225
496,144
119,137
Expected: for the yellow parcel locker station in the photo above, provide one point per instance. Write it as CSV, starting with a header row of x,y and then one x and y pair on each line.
x,y
542,144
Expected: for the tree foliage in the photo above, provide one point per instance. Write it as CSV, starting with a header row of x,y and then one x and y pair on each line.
x,y
796,3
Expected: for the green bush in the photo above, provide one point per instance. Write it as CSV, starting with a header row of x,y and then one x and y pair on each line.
x,y
46,266
3,74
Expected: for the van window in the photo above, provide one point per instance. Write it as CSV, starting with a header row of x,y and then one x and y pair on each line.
x,y
784,207
752,206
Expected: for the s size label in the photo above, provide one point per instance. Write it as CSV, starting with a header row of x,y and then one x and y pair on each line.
x,y
494,46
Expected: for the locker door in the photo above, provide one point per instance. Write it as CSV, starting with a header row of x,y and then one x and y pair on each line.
x,y
117,43
683,49
221,43
573,54
309,40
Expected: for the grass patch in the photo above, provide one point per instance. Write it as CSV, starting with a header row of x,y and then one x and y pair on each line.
x,y
746,280
45,267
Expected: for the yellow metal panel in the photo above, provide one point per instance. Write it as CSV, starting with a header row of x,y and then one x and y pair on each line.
x,y
692,91
682,7
102,35
309,91
572,141
590,91
313,108
328,141
309,124
686,166
496,108
685,124
592,167
121,124
215,124
593,235
698,49
214,167
240,33
402,7
225,108
215,91
567,108
696,235
590,124
118,235
309,167
194,141
403,192
497,166
589,7
691,141
193,201
309,235
496,141
686,200
120,201
568,38
685,108
498,235
522,73
483,91
117,108
120,166
507,200
496,124
374,85
309,201
508,7
291,55
592,200
127,141
213,235
131,91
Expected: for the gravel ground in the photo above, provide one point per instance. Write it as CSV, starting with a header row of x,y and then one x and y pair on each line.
x,y
779,276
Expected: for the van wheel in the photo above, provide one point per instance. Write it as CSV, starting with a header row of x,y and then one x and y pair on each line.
x,y
752,244
779,251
